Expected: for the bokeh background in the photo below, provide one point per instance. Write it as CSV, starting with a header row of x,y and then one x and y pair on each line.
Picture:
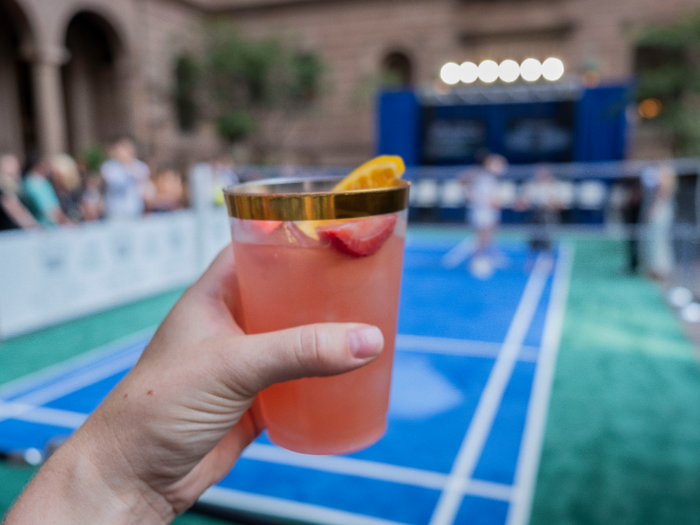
x,y
592,108
293,82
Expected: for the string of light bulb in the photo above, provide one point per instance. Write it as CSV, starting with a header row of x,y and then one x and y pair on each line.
x,y
507,71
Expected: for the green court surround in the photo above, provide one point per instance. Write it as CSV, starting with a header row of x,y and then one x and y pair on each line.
x,y
622,444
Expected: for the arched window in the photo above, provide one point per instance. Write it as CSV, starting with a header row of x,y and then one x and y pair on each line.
x,y
17,116
397,70
186,72
93,81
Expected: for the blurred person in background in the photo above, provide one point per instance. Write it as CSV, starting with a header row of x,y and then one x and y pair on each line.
x,y
10,175
127,181
540,198
66,182
40,196
168,191
13,214
658,211
223,176
7,219
485,212
631,214
92,205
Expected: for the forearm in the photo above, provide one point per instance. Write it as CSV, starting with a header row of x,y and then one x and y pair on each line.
x,y
71,488
59,217
19,213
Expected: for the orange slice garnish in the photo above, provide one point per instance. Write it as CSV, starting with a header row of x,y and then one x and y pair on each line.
x,y
379,172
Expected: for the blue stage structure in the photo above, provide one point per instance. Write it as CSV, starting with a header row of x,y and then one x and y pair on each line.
x,y
557,122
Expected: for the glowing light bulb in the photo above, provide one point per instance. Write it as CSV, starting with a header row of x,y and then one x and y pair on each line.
x,y
509,71
450,73
650,108
488,71
531,69
469,72
552,69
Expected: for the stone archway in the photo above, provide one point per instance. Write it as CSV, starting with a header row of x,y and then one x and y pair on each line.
x,y
17,115
93,82
398,68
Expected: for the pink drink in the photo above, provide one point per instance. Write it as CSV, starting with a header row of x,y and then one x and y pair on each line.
x,y
286,279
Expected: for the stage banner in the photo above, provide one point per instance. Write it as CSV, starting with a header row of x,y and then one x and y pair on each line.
x,y
57,274
214,234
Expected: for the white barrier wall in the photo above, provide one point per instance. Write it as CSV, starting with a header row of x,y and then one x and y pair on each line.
x,y
49,276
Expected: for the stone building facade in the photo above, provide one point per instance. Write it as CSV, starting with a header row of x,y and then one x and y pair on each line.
x,y
79,72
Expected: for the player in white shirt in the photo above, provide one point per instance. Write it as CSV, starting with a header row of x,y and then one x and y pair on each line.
x,y
127,181
541,197
485,212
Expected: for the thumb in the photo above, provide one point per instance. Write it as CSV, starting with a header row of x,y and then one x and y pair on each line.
x,y
312,350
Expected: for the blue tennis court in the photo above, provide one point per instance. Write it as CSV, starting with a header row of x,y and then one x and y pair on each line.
x,y
472,376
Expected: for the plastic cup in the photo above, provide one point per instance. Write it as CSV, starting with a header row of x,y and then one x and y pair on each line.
x,y
291,271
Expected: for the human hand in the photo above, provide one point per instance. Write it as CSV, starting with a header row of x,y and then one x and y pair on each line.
x,y
179,420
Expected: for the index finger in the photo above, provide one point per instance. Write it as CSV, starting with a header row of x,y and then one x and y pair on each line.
x,y
220,283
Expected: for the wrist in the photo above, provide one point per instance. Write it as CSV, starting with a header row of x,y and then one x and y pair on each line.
x,y
75,487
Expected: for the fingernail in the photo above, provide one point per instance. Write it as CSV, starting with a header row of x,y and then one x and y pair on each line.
x,y
365,342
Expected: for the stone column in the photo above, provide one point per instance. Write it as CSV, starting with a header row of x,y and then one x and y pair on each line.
x,y
48,99
81,105
10,113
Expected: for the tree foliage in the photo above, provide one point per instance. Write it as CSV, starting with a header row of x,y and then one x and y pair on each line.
x,y
93,156
247,78
671,73
186,78
235,125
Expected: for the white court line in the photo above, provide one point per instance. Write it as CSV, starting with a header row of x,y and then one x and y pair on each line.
x,y
271,454
42,415
458,254
373,470
105,361
488,489
290,510
84,378
491,396
459,347
72,384
348,466
475,487
531,445
58,370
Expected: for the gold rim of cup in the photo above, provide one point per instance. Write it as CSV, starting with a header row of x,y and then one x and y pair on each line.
x,y
311,199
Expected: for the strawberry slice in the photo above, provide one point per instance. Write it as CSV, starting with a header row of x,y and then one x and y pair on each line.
x,y
359,238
